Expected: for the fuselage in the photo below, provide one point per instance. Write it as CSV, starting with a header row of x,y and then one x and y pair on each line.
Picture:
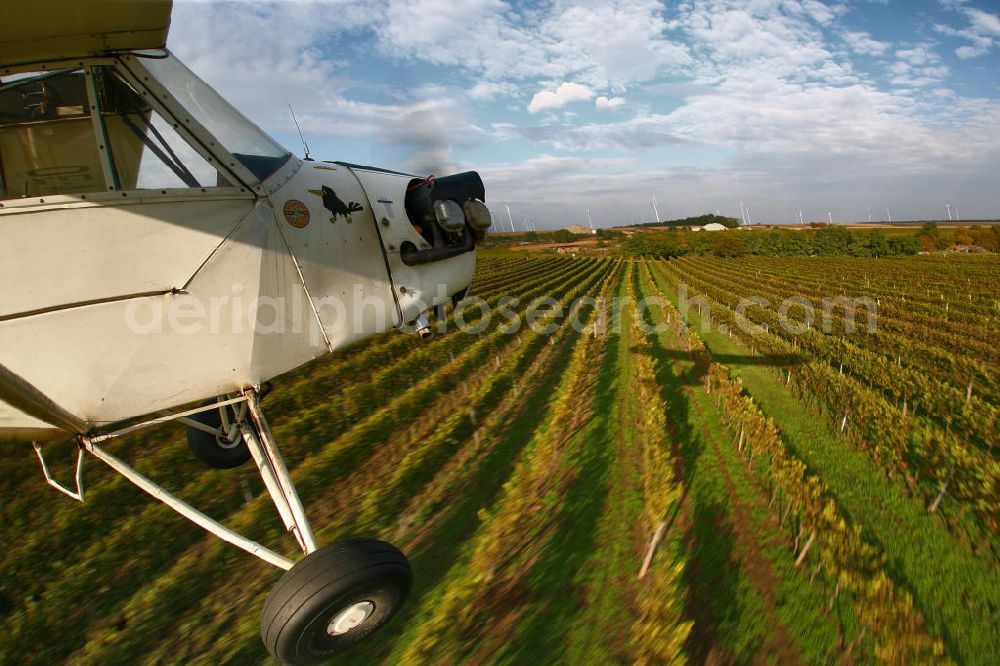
x,y
133,298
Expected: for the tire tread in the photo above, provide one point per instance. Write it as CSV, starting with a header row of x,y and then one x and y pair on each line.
x,y
312,576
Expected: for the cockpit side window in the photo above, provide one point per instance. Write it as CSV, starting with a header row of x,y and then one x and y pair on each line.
x,y
147,151
50,143
47,143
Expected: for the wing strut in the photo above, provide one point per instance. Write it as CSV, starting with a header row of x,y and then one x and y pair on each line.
x,y
21,394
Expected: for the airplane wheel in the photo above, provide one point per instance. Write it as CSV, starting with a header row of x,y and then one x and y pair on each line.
x,y
215,450
334,598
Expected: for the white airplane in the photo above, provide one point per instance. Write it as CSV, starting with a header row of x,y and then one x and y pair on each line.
x,y
160,250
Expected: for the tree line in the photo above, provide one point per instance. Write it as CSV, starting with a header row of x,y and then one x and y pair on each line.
x,y
821,241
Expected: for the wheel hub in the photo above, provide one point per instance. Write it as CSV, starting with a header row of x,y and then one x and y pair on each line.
x,y
349,618
226,443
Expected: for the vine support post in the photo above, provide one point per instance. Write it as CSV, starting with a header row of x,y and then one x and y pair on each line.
x,y
941,491
805,548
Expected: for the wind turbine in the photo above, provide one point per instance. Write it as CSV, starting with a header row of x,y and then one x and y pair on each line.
x,y
509,218
948,206
590,220
800,217
829,216
888,213
869,214
743,215
656,213
957,218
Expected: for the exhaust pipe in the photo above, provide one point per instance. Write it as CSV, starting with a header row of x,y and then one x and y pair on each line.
x,y
423,328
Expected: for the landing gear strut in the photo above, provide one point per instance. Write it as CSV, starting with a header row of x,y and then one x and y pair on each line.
x,y
328,601
214,437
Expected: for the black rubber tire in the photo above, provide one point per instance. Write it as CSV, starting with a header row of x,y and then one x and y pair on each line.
x,y
308,596
208,449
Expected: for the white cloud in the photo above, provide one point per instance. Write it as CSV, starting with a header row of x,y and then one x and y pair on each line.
x,y
821,13
920,55
212,38
862,42
982,31
488,90
878,128
597,44
966,52
768,85
566,93
984,22
223,44
917,67
619,42
761,95
444,32
604,104
638,133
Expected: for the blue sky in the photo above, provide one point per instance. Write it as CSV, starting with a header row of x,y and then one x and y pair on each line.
x,y
785,105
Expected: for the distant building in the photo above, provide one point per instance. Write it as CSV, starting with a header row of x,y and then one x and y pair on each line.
x,y
579,229
714,226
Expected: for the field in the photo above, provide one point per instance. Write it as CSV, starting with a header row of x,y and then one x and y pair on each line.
x,y
809,493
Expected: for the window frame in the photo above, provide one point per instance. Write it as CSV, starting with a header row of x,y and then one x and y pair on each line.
x,y
129,66
189,128
111,181
100,139
190,131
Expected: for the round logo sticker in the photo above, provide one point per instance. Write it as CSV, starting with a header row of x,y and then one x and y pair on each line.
x,y
296,213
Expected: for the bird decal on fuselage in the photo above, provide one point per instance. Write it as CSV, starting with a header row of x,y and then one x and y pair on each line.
x,y
333,204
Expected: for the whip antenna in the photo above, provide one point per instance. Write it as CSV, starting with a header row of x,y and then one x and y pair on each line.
x,y
305,146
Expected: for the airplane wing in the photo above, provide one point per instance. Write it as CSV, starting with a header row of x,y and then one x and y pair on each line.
x,y
53,29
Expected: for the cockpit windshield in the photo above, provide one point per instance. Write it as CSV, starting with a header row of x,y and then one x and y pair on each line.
x,y
258,152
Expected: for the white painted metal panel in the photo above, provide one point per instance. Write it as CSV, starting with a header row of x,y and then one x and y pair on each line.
x,y
340,255
417,288
112,361
84,251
